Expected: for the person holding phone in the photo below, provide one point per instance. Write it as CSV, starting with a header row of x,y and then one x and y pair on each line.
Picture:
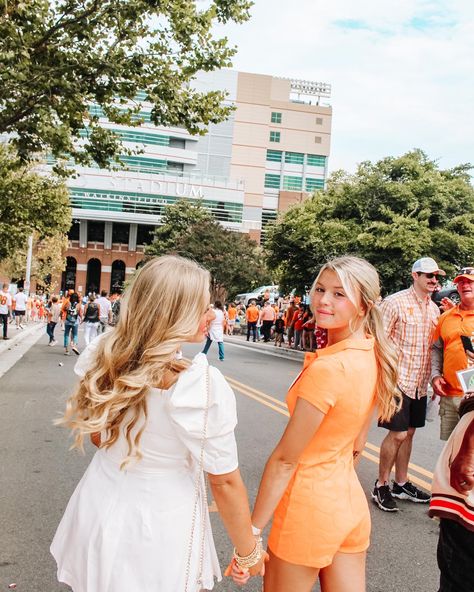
x,y
454,335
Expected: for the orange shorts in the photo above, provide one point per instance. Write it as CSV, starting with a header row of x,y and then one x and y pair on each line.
x,y
324,545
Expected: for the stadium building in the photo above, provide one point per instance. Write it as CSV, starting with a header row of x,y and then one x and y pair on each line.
x,y
271,152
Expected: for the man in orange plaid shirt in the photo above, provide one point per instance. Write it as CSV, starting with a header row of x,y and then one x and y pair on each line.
x,y
410,318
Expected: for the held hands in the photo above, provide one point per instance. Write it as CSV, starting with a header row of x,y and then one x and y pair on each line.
x,y
241,575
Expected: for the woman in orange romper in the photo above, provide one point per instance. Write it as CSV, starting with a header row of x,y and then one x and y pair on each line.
x,y
321,520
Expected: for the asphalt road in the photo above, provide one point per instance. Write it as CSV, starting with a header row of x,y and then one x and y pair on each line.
x,y
38,473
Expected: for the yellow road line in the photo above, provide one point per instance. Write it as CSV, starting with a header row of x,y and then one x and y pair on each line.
x,y
375,459
238,384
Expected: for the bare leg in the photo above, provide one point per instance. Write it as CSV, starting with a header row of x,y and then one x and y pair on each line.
x,y
281,576
388,453
345,574
403,457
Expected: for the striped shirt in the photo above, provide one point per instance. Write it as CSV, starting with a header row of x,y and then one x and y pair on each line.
x,y
410,322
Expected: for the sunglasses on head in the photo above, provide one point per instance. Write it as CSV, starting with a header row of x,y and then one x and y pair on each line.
x,y
429,276
467,270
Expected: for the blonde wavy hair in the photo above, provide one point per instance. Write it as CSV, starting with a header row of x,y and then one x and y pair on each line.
x,y
160,310
361,283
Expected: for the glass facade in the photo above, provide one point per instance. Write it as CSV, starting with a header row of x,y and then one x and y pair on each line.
x,y
274,155
314,184
316,160
294,157
268,218
137,137
291,183
272,181
142,164
145,203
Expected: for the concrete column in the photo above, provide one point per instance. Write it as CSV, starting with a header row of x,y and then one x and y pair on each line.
x,y
83,234
108,235
81,275
132,238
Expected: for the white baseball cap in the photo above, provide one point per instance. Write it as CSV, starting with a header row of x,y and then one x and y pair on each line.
x,y
427,265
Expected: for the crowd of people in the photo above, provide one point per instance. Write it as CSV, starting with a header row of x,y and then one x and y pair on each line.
x,y
139,517
68,310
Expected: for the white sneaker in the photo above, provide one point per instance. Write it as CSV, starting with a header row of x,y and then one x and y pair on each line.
x,y
53,343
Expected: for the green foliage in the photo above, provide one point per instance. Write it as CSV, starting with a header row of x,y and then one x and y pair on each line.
x,y
234,261
60,57
29,204
391,212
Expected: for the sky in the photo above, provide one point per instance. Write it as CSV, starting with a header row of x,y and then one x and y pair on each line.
x,y
402,72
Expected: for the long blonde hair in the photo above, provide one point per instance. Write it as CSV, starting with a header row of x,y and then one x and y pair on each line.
x,y
160,310
361,283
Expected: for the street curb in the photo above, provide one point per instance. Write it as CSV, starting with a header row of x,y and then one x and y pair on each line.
x,y
20,336
263,348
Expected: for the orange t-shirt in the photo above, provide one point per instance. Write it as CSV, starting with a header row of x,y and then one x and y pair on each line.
x,y
232,313
451,325
310,524
252,314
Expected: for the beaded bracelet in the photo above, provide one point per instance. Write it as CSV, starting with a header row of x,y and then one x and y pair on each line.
x,y
252,558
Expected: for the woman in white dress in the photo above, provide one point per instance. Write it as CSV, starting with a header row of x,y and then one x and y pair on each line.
x,y
216,322
138,520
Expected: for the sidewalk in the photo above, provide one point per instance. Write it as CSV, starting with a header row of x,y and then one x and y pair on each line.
x,y
19,343
265,348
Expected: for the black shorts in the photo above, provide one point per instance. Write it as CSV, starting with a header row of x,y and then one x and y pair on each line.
x,y
411,415
20,313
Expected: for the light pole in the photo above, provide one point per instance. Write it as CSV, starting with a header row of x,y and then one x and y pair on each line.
x,y
28,264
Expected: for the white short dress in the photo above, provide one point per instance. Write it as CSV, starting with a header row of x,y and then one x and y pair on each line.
x,y
129,530
216,326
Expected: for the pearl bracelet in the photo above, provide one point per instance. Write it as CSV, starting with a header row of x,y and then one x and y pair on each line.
x,y
252,558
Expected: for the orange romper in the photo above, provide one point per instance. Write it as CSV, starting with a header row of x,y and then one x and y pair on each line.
x,y
324,509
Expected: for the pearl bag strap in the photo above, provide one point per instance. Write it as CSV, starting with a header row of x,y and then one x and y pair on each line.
x,y
200,495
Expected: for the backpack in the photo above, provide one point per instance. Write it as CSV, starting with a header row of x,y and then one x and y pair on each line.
x,y
72,313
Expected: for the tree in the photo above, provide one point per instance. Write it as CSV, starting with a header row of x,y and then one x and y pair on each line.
x,y
29,203
48,261
59,58
234,261
391,212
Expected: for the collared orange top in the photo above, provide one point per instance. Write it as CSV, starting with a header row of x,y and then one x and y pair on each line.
x,y
311,524
451,325
410,322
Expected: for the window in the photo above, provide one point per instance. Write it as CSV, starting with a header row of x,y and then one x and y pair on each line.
x,y
276,117
294,157
120,233
143,164
313,184
272,181
268,218
274,155
95,231
319,121
177,143
134,136
293,183
317,139
73,233
274,136
145,234
316,160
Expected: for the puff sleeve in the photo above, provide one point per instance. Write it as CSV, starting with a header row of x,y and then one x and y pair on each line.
x,y
87,357
322,383
187,410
